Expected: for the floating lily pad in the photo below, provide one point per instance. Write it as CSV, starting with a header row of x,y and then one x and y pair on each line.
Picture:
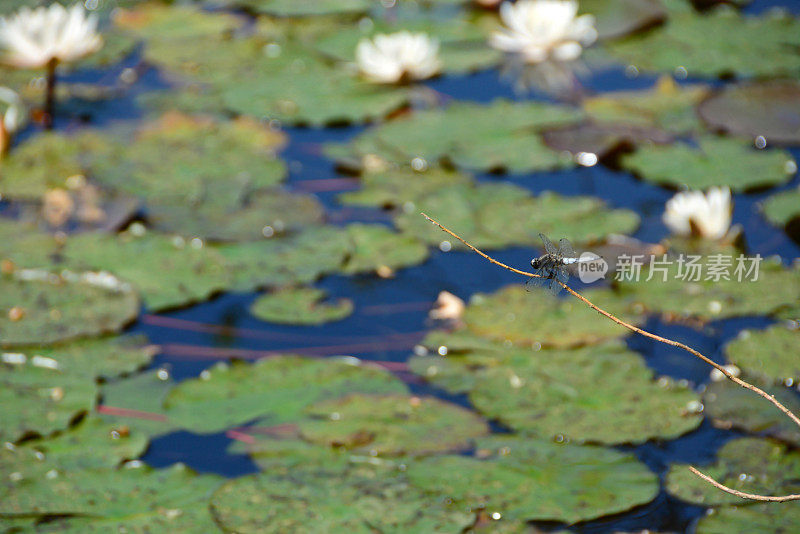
x,y
137,402
769,354
615,18
729,405
391,424
38,400
24,245
300,306
602,394
508,138
515,477
106,357
375,246
602,139
167,271
782,208
714,162
135,498
38,307
765,518
750,465
775,289
327,499
531,317
667,106
302,8
279,388
753,46
500,215
767,108
395,187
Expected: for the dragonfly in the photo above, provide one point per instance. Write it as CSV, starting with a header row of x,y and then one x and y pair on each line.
x,y
552,265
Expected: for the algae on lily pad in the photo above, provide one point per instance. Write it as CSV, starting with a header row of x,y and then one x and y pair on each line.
x,y
768,109
750,465
719,43
167,271
391,424
770,354
39,400
325,498
731,406
134,498
277,388
38,307
300,306
715,161
502,135
599,394
526,478
536,317
764,518
782,208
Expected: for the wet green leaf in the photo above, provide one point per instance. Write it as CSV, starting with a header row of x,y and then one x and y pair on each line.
x,y
391,424
729,405
524,478
39,308
300,306
781,208
137,499
750,465
769,354
714,162
753,46
278,388
507,139
766,108
333,499
765,518
40,400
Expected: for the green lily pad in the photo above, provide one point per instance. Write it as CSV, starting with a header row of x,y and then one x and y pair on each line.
x,y
769,354
729,405
24,245
615,18
300,306
768,109
91,444
39,400
279,388
507,139
39,308
167,271
602,139
715,162
136,498
137,403
750,465
667,106
765,518
303,8
395,187
391,424
374,246
328,499
612,399
536,317
753,46
775,289
515,477
105,357
500,215
782,208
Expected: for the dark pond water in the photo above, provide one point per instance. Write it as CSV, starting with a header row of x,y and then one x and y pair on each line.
x,y
391,315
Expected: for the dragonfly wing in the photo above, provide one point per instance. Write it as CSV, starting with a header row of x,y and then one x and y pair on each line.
x,y
560,275
565,248
548,245
538,281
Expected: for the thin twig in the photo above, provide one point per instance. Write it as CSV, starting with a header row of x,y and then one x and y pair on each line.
x,y
743,495
660,339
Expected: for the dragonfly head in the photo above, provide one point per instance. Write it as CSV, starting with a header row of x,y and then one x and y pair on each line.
x,y
536,263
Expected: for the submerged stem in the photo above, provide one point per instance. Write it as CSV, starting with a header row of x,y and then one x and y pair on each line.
x,y
667,341
50,94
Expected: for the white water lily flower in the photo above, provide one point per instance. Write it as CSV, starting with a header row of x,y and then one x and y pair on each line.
x,y
707,214
398,56
32,38
539,30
